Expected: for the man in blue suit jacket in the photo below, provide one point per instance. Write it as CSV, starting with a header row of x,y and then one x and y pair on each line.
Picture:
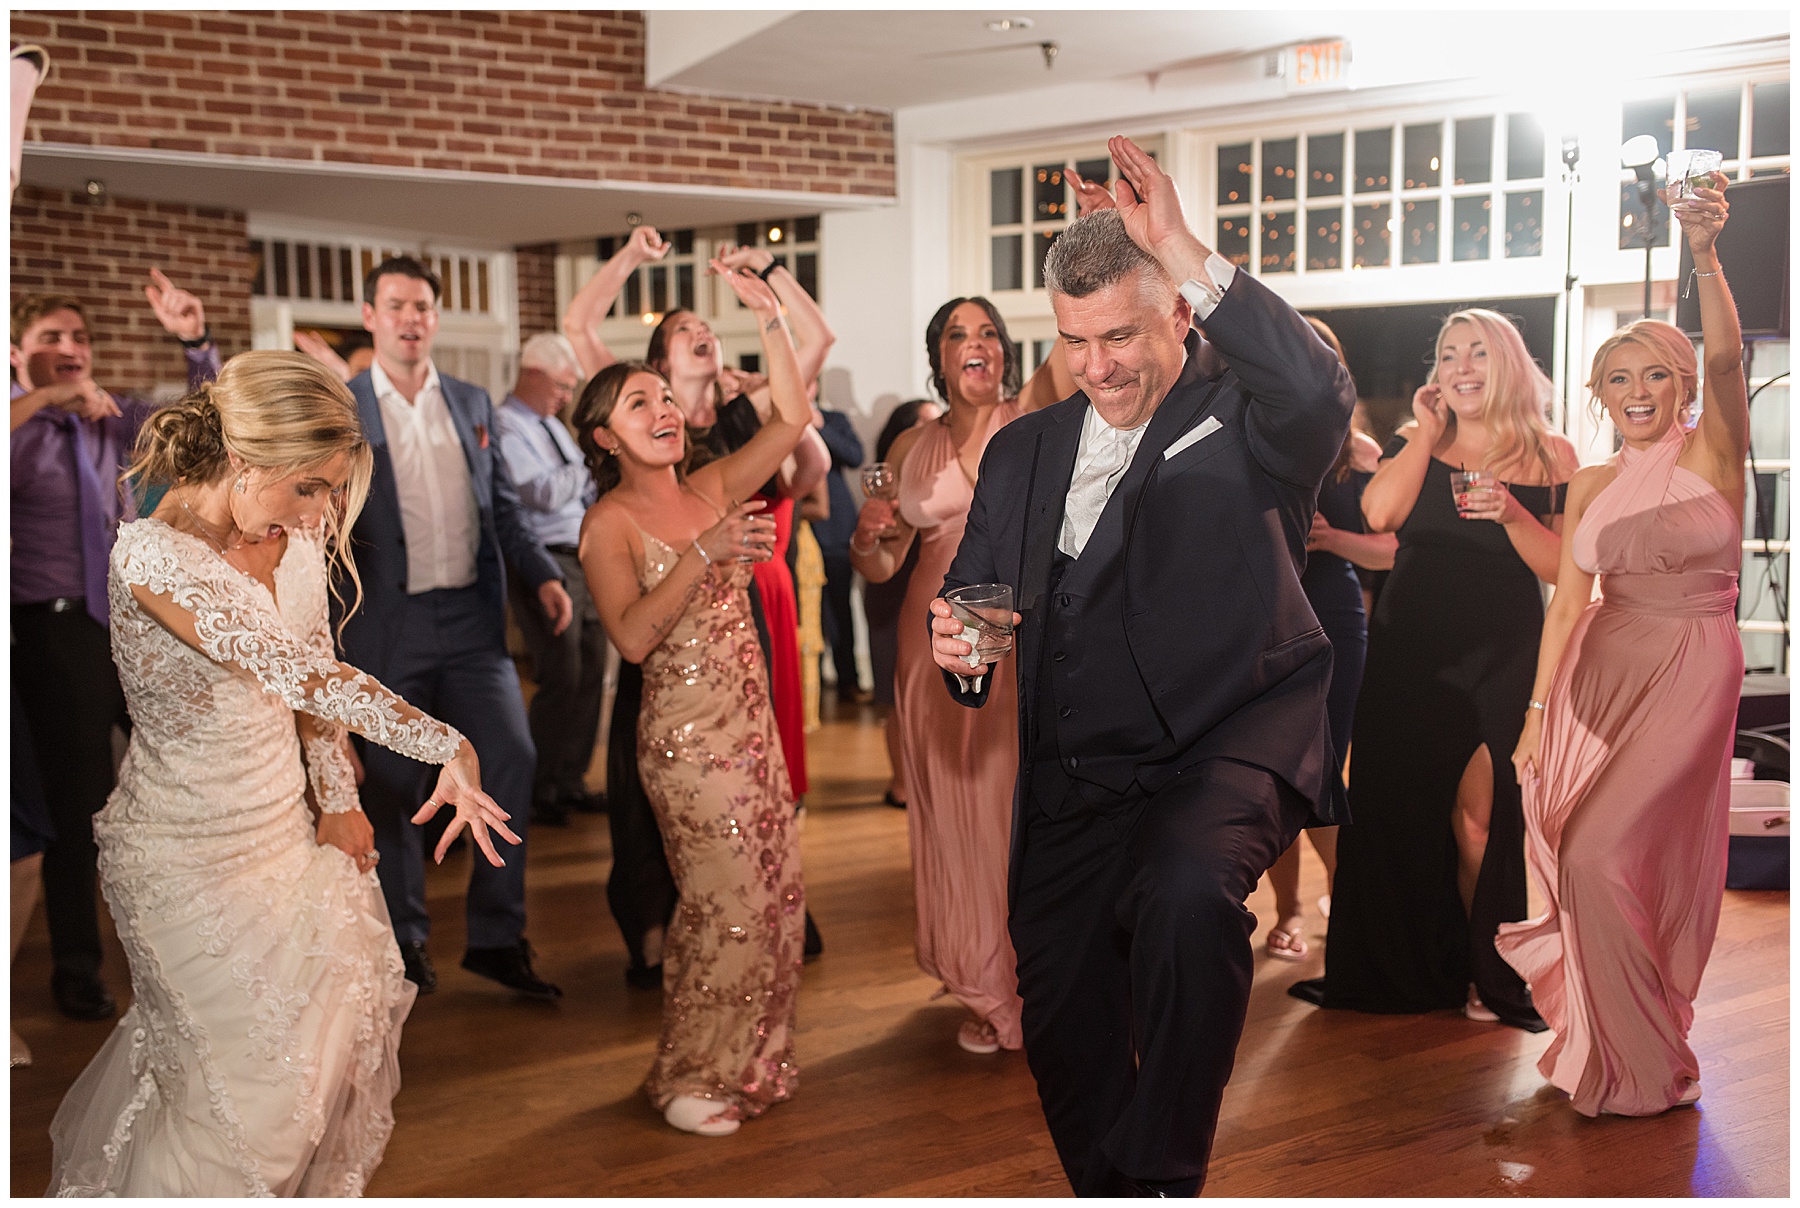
x,y
1172,676
431,544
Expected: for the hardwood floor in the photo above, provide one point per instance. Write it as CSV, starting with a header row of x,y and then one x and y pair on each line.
x,y
506,1098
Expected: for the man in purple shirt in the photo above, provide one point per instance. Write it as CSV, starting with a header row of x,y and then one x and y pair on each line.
x,y
70,442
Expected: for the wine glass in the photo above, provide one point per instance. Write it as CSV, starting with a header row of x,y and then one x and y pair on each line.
x,y
880,482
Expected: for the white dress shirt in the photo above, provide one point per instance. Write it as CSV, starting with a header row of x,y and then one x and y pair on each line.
x,y
431,476
1100,462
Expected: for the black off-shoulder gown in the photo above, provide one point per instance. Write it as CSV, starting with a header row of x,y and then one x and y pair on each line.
x,y
1452,654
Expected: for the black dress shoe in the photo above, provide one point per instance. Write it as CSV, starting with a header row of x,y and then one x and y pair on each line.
x,y
1312,990
419,970
82,996
511,967
589,803
815,943
644,977
1185,1189
549,813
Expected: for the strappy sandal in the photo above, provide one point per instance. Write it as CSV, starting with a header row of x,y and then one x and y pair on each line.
x,y
1286,945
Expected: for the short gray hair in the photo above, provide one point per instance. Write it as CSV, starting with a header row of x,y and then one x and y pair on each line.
x,y
1092,253
549,352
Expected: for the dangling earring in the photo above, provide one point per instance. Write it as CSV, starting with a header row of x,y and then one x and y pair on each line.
x,y
239,485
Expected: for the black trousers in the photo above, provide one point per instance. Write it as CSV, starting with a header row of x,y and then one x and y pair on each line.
x,y
1134,954
640,890
840,630
570,670
65,681
448,664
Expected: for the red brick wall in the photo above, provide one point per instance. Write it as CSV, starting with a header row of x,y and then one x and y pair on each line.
x,y
513,93
102,254
537,289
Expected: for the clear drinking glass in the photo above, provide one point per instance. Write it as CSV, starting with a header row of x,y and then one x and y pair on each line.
x,y
1464,481
880,482
986,613
1690,170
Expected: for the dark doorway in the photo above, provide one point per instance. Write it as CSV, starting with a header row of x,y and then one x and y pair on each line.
x,y
1389,348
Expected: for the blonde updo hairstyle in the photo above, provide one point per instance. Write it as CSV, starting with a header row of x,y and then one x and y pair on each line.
x,y
1519,395
277,412
1664,341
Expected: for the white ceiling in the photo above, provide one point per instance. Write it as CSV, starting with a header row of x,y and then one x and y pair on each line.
x,y
477,210
897,59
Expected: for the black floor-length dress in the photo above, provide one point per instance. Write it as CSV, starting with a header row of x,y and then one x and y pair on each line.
x,y
1452,654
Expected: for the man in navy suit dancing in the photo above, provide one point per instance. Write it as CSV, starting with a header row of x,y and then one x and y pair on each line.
x,y
441,522
1172,676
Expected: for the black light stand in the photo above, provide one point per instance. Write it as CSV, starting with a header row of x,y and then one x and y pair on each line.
x,y
1640,155
1571,156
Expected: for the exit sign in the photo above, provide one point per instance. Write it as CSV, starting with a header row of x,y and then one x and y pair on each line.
x,y
1317,66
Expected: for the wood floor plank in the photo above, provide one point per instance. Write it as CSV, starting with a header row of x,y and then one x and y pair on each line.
x,y
502,1097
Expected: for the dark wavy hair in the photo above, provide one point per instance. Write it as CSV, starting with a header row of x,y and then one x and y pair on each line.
x,y
595,408
1012,371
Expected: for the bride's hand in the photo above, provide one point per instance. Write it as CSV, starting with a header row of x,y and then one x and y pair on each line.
x,y
459,784
351,833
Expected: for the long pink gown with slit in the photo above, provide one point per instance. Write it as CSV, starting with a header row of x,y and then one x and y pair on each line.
x,y
1626,822
960,762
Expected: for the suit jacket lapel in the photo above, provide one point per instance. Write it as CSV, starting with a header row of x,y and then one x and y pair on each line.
x,y
1192,395
460,416
1046,493
384,487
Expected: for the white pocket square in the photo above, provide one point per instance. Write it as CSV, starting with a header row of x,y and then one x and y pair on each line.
x,y
1201,431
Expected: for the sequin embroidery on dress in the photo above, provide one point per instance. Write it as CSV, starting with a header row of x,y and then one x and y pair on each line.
x,y
711,762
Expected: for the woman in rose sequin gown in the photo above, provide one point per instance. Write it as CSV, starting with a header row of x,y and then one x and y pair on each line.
x,y
669,556
1625,755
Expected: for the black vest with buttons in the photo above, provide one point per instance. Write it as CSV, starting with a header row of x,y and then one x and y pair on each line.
x,y
1091,716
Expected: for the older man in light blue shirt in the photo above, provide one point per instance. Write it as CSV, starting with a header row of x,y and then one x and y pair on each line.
x,y
556,488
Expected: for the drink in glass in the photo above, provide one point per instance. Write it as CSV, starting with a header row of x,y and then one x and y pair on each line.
x,y
986,613
1462,482
880,482
1690,170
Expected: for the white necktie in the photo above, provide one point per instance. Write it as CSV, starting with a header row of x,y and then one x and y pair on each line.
x,y
1101,467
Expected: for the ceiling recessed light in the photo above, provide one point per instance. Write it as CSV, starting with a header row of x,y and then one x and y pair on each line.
x,y
1008,24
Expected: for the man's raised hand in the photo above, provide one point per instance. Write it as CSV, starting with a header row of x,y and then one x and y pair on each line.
x,y
1146,199
178,311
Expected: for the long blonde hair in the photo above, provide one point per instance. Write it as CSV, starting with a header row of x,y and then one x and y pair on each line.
x,y
1664,341
275,411
1519,396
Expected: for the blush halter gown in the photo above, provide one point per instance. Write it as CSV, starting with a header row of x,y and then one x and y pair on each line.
x,y
1627,819
960,763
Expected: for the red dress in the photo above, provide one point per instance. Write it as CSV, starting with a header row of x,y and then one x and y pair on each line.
x,y
781,609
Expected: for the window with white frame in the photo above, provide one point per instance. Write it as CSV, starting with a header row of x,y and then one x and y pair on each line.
x,y
1746,122
675,281
1332,199
1029,202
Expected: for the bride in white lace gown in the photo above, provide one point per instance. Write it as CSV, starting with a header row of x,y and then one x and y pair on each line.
x,y
259,1056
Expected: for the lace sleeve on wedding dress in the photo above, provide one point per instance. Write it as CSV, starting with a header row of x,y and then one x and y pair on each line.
x,y
236,631
324,743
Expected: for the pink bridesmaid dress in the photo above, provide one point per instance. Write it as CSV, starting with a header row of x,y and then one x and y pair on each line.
x,y
960,762
1626,821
